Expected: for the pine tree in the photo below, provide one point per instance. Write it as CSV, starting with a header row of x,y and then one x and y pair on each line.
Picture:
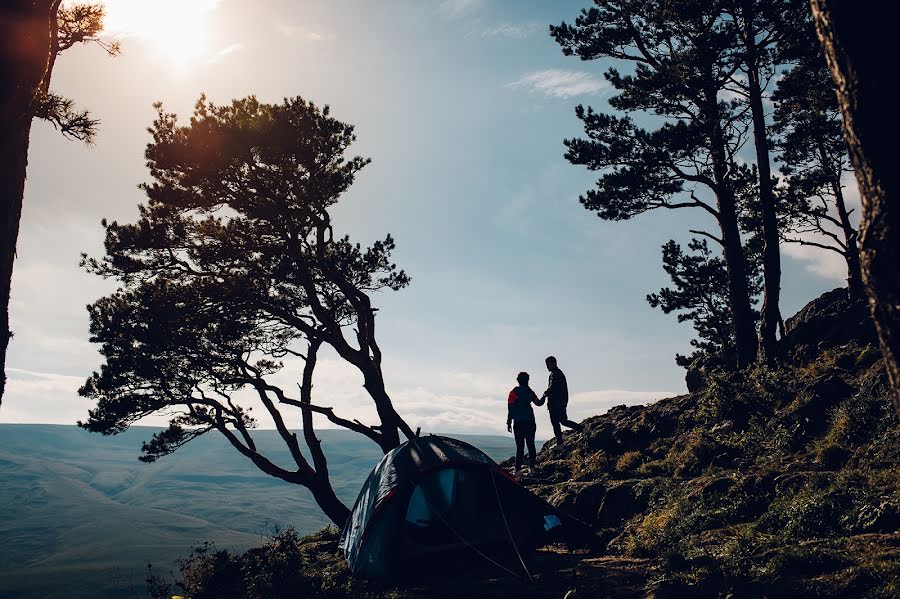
x,y
233,267
699,295
684,58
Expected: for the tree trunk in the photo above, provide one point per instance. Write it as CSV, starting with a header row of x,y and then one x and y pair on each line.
x,y
325,498
768,327
735,262
851,252
864,57
391,422
24,55
738,292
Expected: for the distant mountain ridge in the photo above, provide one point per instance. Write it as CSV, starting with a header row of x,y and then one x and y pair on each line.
x,y
80,514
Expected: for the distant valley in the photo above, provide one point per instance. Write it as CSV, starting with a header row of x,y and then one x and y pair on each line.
x,y
80,516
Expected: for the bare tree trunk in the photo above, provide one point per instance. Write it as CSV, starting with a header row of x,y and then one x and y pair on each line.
x,y
768,326
24,55
860,43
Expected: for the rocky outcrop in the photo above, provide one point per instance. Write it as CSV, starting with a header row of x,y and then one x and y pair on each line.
x,y
832,319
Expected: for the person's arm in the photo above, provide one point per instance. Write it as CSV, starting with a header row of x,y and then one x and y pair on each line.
x,y
550,387
509,405
537,401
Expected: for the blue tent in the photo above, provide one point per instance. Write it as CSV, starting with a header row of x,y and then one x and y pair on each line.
x,y
434,498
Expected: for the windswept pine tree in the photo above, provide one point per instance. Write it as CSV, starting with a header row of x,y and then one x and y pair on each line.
x,y
32,35
233,268
682,59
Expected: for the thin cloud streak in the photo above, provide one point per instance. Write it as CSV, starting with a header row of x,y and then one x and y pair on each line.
x,y
459,8
560,83
230,49
300,31
512,30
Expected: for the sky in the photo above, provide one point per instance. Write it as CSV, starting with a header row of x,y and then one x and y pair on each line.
x,y
463,106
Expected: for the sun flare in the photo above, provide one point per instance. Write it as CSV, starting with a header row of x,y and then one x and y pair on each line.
x,y
178,31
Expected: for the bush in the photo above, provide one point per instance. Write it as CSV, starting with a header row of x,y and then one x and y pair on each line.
x,y
286,565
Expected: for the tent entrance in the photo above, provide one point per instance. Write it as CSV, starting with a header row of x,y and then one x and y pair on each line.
x,y
450,503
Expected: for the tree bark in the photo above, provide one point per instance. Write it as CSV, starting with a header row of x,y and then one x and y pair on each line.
x,y
768,326
24,58
864,57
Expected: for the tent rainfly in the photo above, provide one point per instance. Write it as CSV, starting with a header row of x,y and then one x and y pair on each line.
x,y
434,498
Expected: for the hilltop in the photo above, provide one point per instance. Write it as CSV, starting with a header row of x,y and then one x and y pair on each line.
x,y
769,482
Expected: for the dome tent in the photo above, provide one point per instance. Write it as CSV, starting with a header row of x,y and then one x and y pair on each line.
x,y
433,498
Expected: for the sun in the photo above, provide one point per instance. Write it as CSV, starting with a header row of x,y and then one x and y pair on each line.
x,y
178,31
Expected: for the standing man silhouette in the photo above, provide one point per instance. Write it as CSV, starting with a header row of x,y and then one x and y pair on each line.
x,y
557,396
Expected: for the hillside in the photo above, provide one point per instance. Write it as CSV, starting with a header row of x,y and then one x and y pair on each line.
x,y
771,483
767,483
80,515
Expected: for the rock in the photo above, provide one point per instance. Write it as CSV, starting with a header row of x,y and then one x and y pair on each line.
x,y
621,502
717,487
830,320
697,376
581,500
633,428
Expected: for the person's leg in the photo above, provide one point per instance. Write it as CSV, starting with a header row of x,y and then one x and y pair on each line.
x,y
572,425
557,431
531,450
520,444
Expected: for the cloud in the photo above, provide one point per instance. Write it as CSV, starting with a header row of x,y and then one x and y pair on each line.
x,y
459,8
230,49
451,402
559,83
512,30
828,265
42,397
302,32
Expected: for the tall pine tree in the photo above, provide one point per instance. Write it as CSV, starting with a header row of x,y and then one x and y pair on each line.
x,y
683,57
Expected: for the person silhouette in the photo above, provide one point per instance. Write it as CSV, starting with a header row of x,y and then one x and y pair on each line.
x,y
520,419
557,396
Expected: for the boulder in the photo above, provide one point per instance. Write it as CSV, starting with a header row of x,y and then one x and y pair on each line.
x,y
581,500
832,319
621,502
